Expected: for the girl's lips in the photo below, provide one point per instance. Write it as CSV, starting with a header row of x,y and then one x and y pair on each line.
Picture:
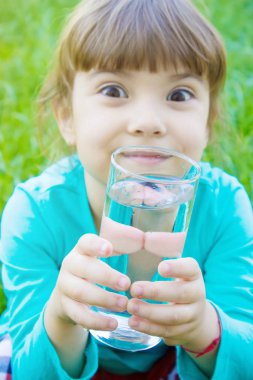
x,y
146,158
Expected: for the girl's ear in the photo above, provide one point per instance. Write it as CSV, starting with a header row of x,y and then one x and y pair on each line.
x,y
64,120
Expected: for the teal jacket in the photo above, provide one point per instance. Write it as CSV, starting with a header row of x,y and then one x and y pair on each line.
x,y
44,219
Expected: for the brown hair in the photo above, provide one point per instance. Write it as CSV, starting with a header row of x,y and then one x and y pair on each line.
x,y
136,34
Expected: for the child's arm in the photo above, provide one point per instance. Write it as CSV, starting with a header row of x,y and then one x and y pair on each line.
x,y
34,240
68,315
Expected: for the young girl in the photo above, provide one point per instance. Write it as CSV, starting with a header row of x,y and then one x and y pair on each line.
x,y
128,72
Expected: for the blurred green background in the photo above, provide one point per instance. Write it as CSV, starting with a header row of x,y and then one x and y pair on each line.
x,y
28,35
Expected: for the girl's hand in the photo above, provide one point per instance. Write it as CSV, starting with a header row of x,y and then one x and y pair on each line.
x,y
186,318
76,288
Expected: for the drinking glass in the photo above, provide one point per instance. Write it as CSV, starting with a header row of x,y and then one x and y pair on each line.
x,y
147,209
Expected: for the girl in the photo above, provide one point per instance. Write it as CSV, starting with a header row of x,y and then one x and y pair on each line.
x,y
128,72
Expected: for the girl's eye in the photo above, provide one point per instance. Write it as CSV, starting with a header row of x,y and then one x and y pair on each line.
x,y
180,95
113,92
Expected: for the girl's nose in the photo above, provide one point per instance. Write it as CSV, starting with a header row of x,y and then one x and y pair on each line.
x,y
147,127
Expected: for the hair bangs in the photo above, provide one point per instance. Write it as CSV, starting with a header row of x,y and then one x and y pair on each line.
x,y
143,34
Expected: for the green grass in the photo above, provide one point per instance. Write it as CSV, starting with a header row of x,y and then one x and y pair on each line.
x,y
28,33
232,148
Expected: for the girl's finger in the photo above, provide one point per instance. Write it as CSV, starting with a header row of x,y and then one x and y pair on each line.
x,y
171,334
181,292
128,239
87,293
96,271
124,238
165,244
93,245
163,314
185,268
84,316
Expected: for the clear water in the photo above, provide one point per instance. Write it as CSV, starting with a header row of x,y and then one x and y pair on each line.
x,y
148,207
124,338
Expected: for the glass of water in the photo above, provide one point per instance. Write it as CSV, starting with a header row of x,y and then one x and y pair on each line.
x,y
148,205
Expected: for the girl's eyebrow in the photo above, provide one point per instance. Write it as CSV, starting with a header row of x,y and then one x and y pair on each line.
x,y
181,76
95,73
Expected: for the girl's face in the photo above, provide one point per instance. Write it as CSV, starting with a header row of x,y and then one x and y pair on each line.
x,y
111,109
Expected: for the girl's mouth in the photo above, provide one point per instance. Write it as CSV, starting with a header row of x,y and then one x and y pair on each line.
x,y
147,158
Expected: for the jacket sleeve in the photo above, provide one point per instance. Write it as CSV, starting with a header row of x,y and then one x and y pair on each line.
x,y
228,276
31,261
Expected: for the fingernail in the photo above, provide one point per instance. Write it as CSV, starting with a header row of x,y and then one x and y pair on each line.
x,y
104,249
111,324
134,308
123,282
166,267
121,302
138,291
135,322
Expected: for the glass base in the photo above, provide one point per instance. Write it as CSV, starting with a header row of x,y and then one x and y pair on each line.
x,y
124,338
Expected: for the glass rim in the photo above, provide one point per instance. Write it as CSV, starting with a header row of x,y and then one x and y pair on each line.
x,y
162,150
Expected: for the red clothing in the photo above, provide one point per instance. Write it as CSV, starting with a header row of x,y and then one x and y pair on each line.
x,y
160,370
